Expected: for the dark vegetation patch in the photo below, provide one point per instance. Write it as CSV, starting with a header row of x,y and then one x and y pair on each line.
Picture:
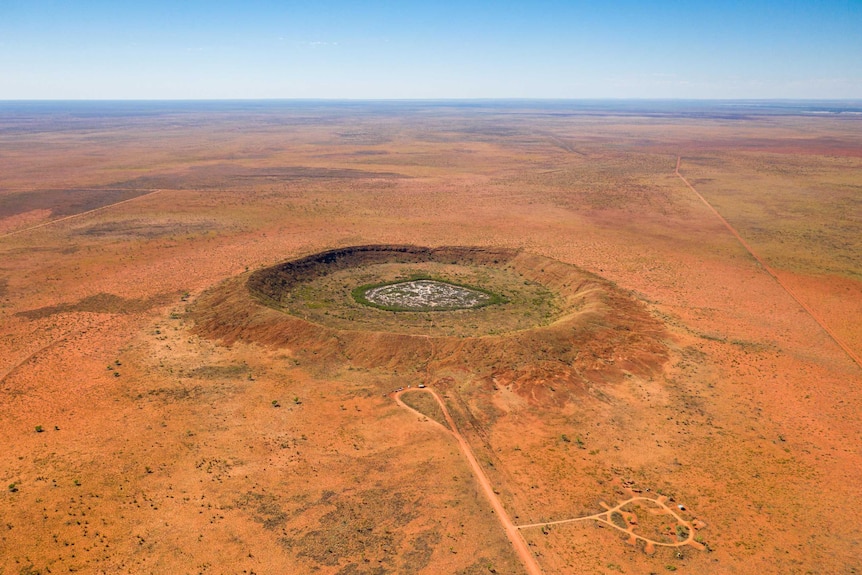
x,y
64,202
30,570
363,569
422,548
219,371
218,469
100,303
4,287
177,393
187,392
425,404
265,509
482,566
368,524
223,176
364,137
143,229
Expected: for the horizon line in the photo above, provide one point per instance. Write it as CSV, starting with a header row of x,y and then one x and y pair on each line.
x,y
444,99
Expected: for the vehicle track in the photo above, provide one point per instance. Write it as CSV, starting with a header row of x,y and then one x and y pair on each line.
x,y
853,356
515,537
54,342
631,522
79,214
512,530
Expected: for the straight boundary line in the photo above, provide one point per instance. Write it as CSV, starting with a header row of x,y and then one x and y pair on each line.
x,y
63,219
770,271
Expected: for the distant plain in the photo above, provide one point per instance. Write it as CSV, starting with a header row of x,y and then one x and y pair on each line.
x,y
143,436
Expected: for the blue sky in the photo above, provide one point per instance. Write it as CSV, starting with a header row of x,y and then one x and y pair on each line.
x,y
192,49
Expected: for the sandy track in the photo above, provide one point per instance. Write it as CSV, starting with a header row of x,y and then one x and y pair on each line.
x,y
661,508
770,271
63,219
511,529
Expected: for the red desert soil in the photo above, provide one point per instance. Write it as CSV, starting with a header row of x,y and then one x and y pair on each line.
x,y
139,439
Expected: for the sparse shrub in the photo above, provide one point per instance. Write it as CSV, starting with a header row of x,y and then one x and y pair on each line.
x,y
13,487
39,429
618,520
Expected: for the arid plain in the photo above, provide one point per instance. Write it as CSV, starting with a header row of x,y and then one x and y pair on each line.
x,y
156,418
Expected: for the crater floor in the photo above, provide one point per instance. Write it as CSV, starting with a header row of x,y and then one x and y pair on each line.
x,y
424,295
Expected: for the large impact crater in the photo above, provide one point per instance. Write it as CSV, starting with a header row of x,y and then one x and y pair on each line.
x,y
505,316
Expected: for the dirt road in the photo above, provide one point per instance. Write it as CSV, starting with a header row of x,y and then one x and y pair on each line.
x,y
770,271
512,533
631,522
78,215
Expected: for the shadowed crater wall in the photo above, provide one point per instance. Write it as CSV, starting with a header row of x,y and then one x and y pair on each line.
x,y
560,331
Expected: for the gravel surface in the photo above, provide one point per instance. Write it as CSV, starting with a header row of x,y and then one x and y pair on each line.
x,y
426,294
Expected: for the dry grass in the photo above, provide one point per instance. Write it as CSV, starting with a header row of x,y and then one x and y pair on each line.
x,y
177,460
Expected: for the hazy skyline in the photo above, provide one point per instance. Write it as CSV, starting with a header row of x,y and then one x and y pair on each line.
x,y
339,49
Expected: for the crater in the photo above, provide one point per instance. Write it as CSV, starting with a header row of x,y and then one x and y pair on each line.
x,y
454,291
545,329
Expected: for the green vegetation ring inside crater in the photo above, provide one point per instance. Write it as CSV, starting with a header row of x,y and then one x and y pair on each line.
x,y
328,289
424,294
